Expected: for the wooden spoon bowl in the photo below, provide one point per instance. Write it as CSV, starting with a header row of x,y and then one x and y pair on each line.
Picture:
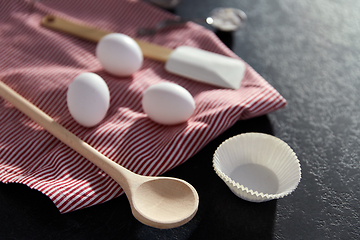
x,y
164,200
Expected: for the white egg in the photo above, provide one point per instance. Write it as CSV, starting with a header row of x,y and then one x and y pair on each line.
x,y
88,99
168,103
119,54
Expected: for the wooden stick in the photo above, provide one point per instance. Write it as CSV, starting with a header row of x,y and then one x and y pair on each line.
x,y
149,50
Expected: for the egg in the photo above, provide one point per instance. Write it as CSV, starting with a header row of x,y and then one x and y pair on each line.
x,y
119,54
88,99
168,103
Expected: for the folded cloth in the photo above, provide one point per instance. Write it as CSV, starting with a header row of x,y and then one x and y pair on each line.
x,y
39,64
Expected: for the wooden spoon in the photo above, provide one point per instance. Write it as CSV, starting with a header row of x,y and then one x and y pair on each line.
x,y
160,202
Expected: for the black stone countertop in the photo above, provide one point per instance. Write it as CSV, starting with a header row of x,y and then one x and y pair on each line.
x,y
310,52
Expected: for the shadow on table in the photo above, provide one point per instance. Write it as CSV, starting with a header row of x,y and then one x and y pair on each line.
x,y
221,215
226,37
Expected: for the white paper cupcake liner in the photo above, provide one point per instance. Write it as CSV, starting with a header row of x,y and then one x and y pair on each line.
x,y
257,167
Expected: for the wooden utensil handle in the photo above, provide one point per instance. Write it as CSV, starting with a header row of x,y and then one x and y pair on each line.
x,y
111,168
149,50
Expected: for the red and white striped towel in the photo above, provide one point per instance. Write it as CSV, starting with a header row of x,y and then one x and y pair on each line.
x,y
39,64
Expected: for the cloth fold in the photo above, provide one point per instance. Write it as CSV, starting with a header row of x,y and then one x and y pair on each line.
x,y
39,64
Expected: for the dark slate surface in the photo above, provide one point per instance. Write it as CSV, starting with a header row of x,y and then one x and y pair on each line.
x,y
309,51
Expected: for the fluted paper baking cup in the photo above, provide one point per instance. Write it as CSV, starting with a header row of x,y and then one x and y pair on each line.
x,y
257,167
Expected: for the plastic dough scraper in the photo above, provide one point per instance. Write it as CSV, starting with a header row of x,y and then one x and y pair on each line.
x,y
193,63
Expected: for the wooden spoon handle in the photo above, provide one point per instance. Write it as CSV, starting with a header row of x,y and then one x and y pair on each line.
x,y
149,50
118,173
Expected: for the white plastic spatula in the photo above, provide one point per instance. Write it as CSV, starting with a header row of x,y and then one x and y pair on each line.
x,y
189,62
207,67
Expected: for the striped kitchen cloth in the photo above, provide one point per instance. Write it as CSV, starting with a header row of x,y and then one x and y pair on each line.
x,y
39,64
